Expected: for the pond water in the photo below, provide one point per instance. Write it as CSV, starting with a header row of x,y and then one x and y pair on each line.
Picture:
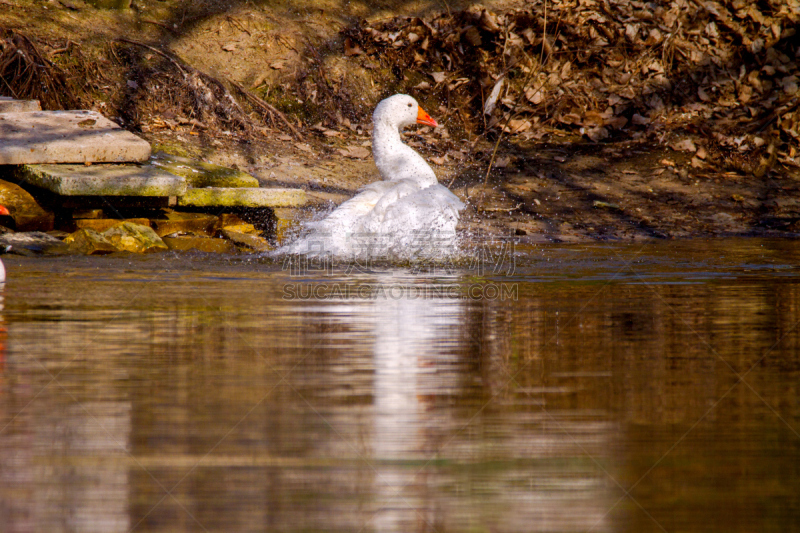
x,y
556,388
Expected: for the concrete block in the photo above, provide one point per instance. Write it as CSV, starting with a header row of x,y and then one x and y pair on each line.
x,y
201,174
10,105
66,137
102,180
243,197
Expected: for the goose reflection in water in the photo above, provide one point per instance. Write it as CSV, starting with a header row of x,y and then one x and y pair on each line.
x,y
427,354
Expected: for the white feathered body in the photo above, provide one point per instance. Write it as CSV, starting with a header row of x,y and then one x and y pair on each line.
x,y
407,215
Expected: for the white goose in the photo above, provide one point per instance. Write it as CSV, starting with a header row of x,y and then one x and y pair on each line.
x,y
406,216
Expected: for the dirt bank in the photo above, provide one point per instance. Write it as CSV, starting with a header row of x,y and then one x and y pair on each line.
x,y
610,121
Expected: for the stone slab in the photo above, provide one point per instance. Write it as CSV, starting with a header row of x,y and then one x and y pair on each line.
x,y
243,197
202,174
11,105
66,137
102,180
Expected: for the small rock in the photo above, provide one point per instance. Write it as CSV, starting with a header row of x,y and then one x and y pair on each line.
x,y
255,242
104,224
599,204
244,227
89,242
28,215
288,221
136,238
33,242
229,219
181,222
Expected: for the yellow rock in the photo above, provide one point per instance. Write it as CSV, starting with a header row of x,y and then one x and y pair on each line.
x,y
28,215
201,244
243,228
89,242
136,238
255,242
181,222
103,224
288,221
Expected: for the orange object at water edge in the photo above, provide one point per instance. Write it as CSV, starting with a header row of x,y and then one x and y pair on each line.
x,y
425,118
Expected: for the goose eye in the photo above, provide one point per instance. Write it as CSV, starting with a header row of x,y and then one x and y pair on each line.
x,y
409,105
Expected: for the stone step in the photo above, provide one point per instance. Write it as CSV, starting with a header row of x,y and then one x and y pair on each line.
x,y
11,105
202,174
102,180
66,137
243,197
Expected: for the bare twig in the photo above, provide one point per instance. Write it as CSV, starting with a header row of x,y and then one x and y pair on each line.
x,y
531,73
267,107
156,50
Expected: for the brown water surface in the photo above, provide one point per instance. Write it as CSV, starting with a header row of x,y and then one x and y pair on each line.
x,y
577,388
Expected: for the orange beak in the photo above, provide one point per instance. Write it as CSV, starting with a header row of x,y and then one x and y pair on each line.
x,y
424,118
4,211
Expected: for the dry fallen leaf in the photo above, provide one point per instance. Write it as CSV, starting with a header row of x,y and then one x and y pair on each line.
x,y
686,145
596,134
439,160
488,107
351,48
455,154
617,122
354,151
502,162
517,126
303,147
593,118
438,77
230,47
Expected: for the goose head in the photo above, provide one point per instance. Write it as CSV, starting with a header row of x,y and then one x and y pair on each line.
x,y
399,111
